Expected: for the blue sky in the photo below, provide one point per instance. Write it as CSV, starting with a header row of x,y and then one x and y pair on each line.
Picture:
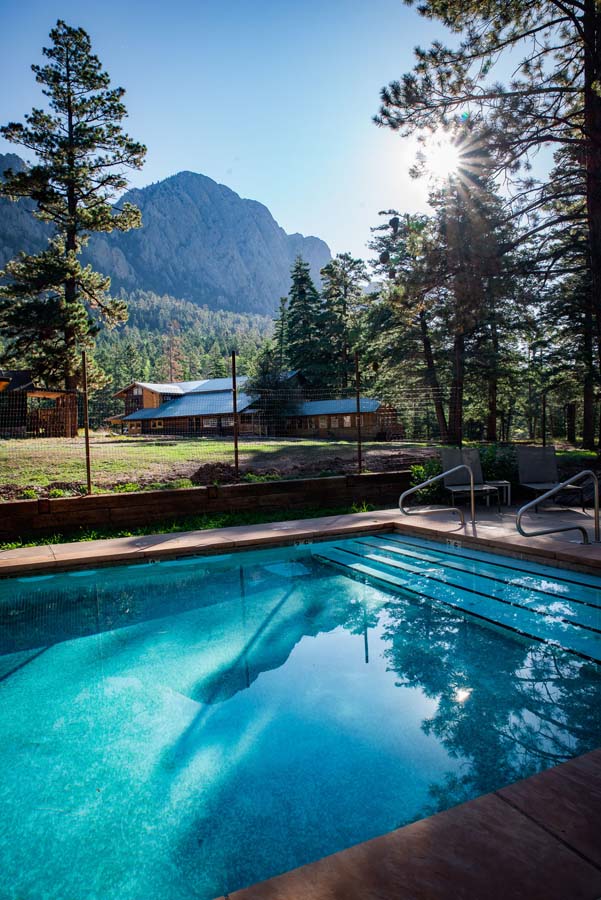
x,y
272,97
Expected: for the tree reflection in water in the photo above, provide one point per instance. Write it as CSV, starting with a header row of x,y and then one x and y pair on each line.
x,y
507,706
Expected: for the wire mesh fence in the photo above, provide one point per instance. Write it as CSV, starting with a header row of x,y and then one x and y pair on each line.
x,y
212,431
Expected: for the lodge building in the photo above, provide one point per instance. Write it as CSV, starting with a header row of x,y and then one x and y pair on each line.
x,y
206,407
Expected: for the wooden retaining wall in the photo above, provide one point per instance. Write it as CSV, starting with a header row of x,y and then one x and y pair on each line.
x,y
21,518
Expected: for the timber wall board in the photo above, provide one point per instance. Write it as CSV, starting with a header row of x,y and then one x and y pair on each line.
x,y
21,518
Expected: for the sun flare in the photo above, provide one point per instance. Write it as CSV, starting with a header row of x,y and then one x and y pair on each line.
x,y
442,157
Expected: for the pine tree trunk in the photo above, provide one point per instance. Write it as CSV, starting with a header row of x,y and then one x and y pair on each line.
x,y
71,377
571,423
456,399
592,120
433,379
588,404
491,425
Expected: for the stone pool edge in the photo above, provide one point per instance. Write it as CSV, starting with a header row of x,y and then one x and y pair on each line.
x,y
498,536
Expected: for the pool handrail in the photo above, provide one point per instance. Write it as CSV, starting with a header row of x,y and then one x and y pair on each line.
x,y
588,473
426,512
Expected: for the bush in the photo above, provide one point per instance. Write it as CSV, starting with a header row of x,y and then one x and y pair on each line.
x,y
499,463
252,478
434,493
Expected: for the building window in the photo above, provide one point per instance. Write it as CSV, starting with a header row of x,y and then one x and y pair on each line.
x,y
156,423
347,421
137,391
333,421
323,421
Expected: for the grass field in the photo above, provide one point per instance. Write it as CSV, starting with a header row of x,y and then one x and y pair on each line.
x,y
56,466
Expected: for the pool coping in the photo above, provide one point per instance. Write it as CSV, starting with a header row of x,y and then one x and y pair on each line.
x,y
487,534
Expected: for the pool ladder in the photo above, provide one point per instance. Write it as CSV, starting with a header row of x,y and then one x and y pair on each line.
x,y
575,479
425,512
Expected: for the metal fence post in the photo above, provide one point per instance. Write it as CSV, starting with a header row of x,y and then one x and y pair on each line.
x,y
235,407
358,392
86,420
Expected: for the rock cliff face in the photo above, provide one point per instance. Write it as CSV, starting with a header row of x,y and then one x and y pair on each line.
x,y
19,230
199,241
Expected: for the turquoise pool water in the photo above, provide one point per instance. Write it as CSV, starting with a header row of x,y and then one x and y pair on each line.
x,y
182,729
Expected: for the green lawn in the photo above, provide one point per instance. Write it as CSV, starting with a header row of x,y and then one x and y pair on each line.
x,y
126,463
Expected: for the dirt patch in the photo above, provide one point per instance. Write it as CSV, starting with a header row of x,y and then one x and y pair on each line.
x,y
215,473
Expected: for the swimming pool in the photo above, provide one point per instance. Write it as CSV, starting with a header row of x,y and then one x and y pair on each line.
x,y
186,728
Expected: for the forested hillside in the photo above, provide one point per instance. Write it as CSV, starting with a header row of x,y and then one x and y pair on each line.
x,y
168,339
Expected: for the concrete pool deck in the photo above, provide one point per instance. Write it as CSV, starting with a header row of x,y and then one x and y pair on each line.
x,y
492,531
538,839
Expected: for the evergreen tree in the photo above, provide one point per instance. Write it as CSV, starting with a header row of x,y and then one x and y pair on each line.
x,y
276,394
343,281
304,338
217,365
280,333
52,307
553,99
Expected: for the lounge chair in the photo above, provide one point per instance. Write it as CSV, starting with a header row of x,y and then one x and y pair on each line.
x,y
537,467
458,483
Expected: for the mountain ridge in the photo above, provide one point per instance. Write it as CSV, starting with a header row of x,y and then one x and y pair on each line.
x,y
199,241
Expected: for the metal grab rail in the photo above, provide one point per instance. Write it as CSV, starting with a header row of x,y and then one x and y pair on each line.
x,y
588,473
425,512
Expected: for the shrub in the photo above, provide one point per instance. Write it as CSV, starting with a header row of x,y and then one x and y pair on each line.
x,y
260,479
434,493
499,463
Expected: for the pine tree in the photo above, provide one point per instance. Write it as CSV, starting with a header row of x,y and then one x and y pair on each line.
x,y
552,100
343,280
305,340
276,395
217,366
51,306
280,333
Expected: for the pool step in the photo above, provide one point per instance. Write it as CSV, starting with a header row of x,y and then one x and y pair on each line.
x,y
569,623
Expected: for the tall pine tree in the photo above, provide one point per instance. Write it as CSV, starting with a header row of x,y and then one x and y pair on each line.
x,y
343,281
51,306
304,325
